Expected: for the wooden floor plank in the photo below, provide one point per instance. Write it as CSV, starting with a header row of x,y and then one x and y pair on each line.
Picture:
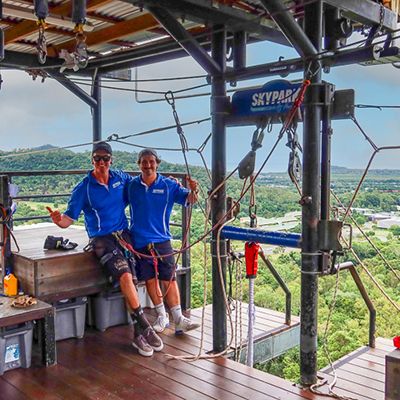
x,y
234,378
162,367
359,380
122,382
354,388
31,388
8,391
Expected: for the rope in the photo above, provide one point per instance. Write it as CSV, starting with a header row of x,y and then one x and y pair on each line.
x,y
314,388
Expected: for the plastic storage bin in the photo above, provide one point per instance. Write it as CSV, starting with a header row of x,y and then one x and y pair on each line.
x,y
70,318
16,347
110,310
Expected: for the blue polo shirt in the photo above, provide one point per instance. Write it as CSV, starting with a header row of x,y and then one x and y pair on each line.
x,y
103,205
151,207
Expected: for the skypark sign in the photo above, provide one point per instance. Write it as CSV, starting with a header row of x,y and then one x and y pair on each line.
x,y
272,99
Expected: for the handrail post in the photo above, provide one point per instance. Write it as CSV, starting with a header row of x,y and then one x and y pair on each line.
x,y
282,284
368,302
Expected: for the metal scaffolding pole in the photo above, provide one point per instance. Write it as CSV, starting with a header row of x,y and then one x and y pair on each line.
x,y
218,111
311,204
96,109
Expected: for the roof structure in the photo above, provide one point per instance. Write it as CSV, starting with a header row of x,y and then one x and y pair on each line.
x,y
122,34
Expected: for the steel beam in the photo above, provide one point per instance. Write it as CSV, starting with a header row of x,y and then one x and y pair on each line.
x,y
17,60
218,206
256,235
96,110
185,39
206,12
366,11
72,87
310,205
286,67
290,28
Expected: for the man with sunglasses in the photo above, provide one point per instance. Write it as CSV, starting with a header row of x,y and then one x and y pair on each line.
x,y
100,195
151,199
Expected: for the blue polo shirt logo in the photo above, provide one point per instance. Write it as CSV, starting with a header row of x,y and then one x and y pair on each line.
x,y
116,184
158,191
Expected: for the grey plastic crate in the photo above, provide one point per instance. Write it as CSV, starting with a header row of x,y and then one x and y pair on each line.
x,y
16,347
110,310
70,318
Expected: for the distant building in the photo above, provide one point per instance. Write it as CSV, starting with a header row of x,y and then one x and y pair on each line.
x,y
363,211
388,223
289,221
380,216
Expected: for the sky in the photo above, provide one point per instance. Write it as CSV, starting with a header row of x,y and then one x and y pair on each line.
x,y
34,113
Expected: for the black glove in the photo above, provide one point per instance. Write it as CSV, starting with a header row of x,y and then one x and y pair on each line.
x,y
58,243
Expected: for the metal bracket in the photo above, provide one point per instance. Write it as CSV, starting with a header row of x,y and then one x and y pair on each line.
x,y
322,94
329,233
343,104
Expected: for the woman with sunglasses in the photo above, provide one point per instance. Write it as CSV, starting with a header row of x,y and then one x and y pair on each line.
x,y
100,196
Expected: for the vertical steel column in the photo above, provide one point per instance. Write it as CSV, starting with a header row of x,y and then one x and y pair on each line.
x,y
311,207
1,35
96,110
239,50
326,162
218,102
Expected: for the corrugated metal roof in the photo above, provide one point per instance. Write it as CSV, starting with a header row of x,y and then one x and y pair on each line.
x,y
102,17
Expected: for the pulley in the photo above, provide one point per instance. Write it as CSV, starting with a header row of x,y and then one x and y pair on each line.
x,y
247,164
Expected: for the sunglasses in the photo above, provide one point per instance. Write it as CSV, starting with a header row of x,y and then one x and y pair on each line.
x,y
99,158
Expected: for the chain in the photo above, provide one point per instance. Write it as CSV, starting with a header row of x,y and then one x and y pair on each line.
x,y
41,42
253,206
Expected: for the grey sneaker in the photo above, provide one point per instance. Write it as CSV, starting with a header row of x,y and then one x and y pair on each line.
x,y
143,347
184,325
161,323
153,339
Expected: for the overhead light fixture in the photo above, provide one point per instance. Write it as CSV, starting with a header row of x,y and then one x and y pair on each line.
x,y
56,20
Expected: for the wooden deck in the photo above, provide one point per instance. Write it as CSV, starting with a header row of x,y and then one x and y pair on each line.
x,y
104,365
362,372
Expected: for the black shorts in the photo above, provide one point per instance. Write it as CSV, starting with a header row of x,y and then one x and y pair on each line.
x,y
114,258
145,267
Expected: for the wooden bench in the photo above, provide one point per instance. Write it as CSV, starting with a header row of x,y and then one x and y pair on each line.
x,y
51,275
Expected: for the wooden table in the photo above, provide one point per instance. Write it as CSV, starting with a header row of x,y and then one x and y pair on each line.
x,y
43,313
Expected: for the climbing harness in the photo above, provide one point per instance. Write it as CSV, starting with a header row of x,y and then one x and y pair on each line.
x,y
79,58
81,52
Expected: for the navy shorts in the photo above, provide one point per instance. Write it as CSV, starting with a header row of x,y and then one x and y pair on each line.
x,y
113,256
145,267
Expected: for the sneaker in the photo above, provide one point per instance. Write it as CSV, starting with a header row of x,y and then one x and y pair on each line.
x,y
143,347
161,323
153,339
184,325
